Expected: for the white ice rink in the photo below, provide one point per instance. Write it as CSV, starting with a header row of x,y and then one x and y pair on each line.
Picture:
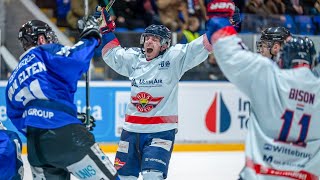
x,y
193,165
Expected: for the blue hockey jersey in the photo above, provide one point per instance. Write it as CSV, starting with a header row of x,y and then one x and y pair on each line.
x,y
40,91
11,166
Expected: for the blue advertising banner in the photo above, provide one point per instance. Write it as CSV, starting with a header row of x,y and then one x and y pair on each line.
x,y
103,108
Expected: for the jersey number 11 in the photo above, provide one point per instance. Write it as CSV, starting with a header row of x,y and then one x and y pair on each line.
x,y
304,122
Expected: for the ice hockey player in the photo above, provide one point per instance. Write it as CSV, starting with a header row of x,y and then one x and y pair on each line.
x,y
40,103
282,141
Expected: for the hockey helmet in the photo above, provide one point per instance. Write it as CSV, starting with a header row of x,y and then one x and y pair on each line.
x,y
30,31
294,53
313,51
160,31
273,34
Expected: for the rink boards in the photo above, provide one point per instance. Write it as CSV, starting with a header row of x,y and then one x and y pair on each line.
x,y
212,115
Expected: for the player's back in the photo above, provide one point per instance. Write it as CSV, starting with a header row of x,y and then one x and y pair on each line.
x,y
287,110
282,142
283,139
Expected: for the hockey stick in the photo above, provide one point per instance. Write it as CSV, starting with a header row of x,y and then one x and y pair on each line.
x,y
87,74
108,7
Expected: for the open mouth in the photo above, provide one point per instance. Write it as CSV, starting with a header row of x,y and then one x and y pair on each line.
x,y
149,50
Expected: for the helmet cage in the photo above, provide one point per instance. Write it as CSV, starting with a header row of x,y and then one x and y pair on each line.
x,y
159,31
272,35
261,42
163,41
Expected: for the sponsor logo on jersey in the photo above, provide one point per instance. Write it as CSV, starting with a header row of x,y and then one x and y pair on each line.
x,y
146,83
38,112
286,150
144,102
86,172
164,64
118,163
218,119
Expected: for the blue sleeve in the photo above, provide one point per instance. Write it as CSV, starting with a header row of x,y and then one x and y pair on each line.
x,y
69,63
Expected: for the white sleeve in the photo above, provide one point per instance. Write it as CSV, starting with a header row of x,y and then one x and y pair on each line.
x,y
187,56
249,71
121,59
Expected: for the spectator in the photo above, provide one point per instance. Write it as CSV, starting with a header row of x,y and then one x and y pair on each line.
x,y
129,14
317,6
77,11
257,7
276,6
170,10
309,7
293,7
192,32
151,10
62,9
240,4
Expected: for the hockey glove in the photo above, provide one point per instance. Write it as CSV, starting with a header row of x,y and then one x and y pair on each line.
x,y
220,12
236,19
83,118
89,28
105,24
221,8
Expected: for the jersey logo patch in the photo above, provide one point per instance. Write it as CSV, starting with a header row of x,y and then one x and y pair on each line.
x,y
118,163
144,102
164,65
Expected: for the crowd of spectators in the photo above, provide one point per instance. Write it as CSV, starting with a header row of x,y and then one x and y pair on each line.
x,y
187,18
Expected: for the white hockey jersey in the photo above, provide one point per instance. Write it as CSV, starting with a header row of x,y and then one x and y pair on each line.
x,y
283,139
154,84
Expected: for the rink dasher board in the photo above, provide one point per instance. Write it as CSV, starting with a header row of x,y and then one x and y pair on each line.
x,y
210,113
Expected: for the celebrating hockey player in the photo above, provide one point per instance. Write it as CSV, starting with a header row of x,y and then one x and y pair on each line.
x,y
283,141
151,120
40,103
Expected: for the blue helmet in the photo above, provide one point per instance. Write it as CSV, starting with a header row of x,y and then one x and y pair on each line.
x,y
294,53
160,31
30,31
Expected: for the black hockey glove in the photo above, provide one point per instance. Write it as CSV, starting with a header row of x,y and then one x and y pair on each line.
x,y
89,28
83,117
